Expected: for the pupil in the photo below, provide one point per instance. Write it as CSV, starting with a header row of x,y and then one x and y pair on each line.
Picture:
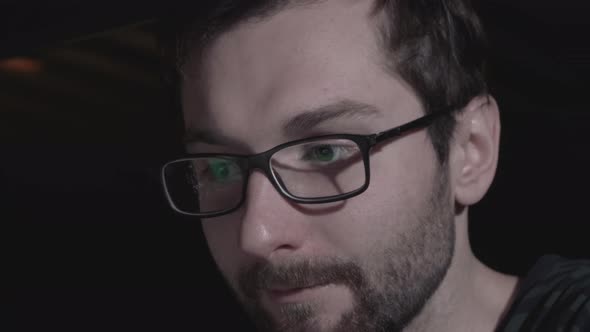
x,y
325,153
222,171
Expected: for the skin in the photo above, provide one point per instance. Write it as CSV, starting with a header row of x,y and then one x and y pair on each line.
x,y
397,257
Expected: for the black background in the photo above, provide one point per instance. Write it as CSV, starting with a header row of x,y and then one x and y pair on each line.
x,y
91,245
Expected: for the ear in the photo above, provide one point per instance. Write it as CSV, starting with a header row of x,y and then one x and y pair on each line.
x,y
474,150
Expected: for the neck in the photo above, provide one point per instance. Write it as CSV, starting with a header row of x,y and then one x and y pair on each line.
x,y
472,297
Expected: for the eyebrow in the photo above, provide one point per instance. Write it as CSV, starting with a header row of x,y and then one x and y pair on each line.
x,y
312,118
302,122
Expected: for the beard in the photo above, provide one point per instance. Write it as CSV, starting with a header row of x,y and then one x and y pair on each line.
x,y
390,287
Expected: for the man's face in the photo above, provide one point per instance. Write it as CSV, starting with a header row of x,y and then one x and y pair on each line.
x,y
367,263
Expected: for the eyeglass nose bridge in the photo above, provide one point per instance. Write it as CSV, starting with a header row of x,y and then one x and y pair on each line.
x,y
261,162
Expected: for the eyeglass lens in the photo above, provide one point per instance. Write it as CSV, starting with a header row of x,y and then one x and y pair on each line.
x,y
313,169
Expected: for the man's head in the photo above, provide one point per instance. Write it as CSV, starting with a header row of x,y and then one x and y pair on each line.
x,y
373,261
437,47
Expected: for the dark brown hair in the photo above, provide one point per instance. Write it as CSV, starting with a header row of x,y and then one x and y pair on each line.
x,y
436,46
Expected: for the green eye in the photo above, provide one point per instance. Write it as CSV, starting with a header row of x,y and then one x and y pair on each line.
x,y
324,153
222,171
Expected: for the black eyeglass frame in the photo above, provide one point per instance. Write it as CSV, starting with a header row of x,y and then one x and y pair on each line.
x,y
262,160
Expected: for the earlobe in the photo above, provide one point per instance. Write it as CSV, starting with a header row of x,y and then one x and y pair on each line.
x,y
475,155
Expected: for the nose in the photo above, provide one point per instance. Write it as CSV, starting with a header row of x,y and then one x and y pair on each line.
x,y
270,224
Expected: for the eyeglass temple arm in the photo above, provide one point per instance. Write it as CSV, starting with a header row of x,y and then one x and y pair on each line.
x,y
419,123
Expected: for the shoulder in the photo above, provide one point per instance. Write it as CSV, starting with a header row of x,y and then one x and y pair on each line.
x,y
554,296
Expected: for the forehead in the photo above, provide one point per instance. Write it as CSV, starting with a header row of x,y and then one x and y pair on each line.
x,y
299,58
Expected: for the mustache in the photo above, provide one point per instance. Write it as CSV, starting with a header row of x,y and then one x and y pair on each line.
x,y
262,276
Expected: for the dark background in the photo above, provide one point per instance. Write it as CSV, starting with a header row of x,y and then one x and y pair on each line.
x,y
90,243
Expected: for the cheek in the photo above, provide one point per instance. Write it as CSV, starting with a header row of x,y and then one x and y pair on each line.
x,y
398,191
402,172
222,238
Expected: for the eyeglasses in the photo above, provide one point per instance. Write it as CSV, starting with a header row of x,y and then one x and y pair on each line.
x,y
314,170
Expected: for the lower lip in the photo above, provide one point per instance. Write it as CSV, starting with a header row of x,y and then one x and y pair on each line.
x,y
293,295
